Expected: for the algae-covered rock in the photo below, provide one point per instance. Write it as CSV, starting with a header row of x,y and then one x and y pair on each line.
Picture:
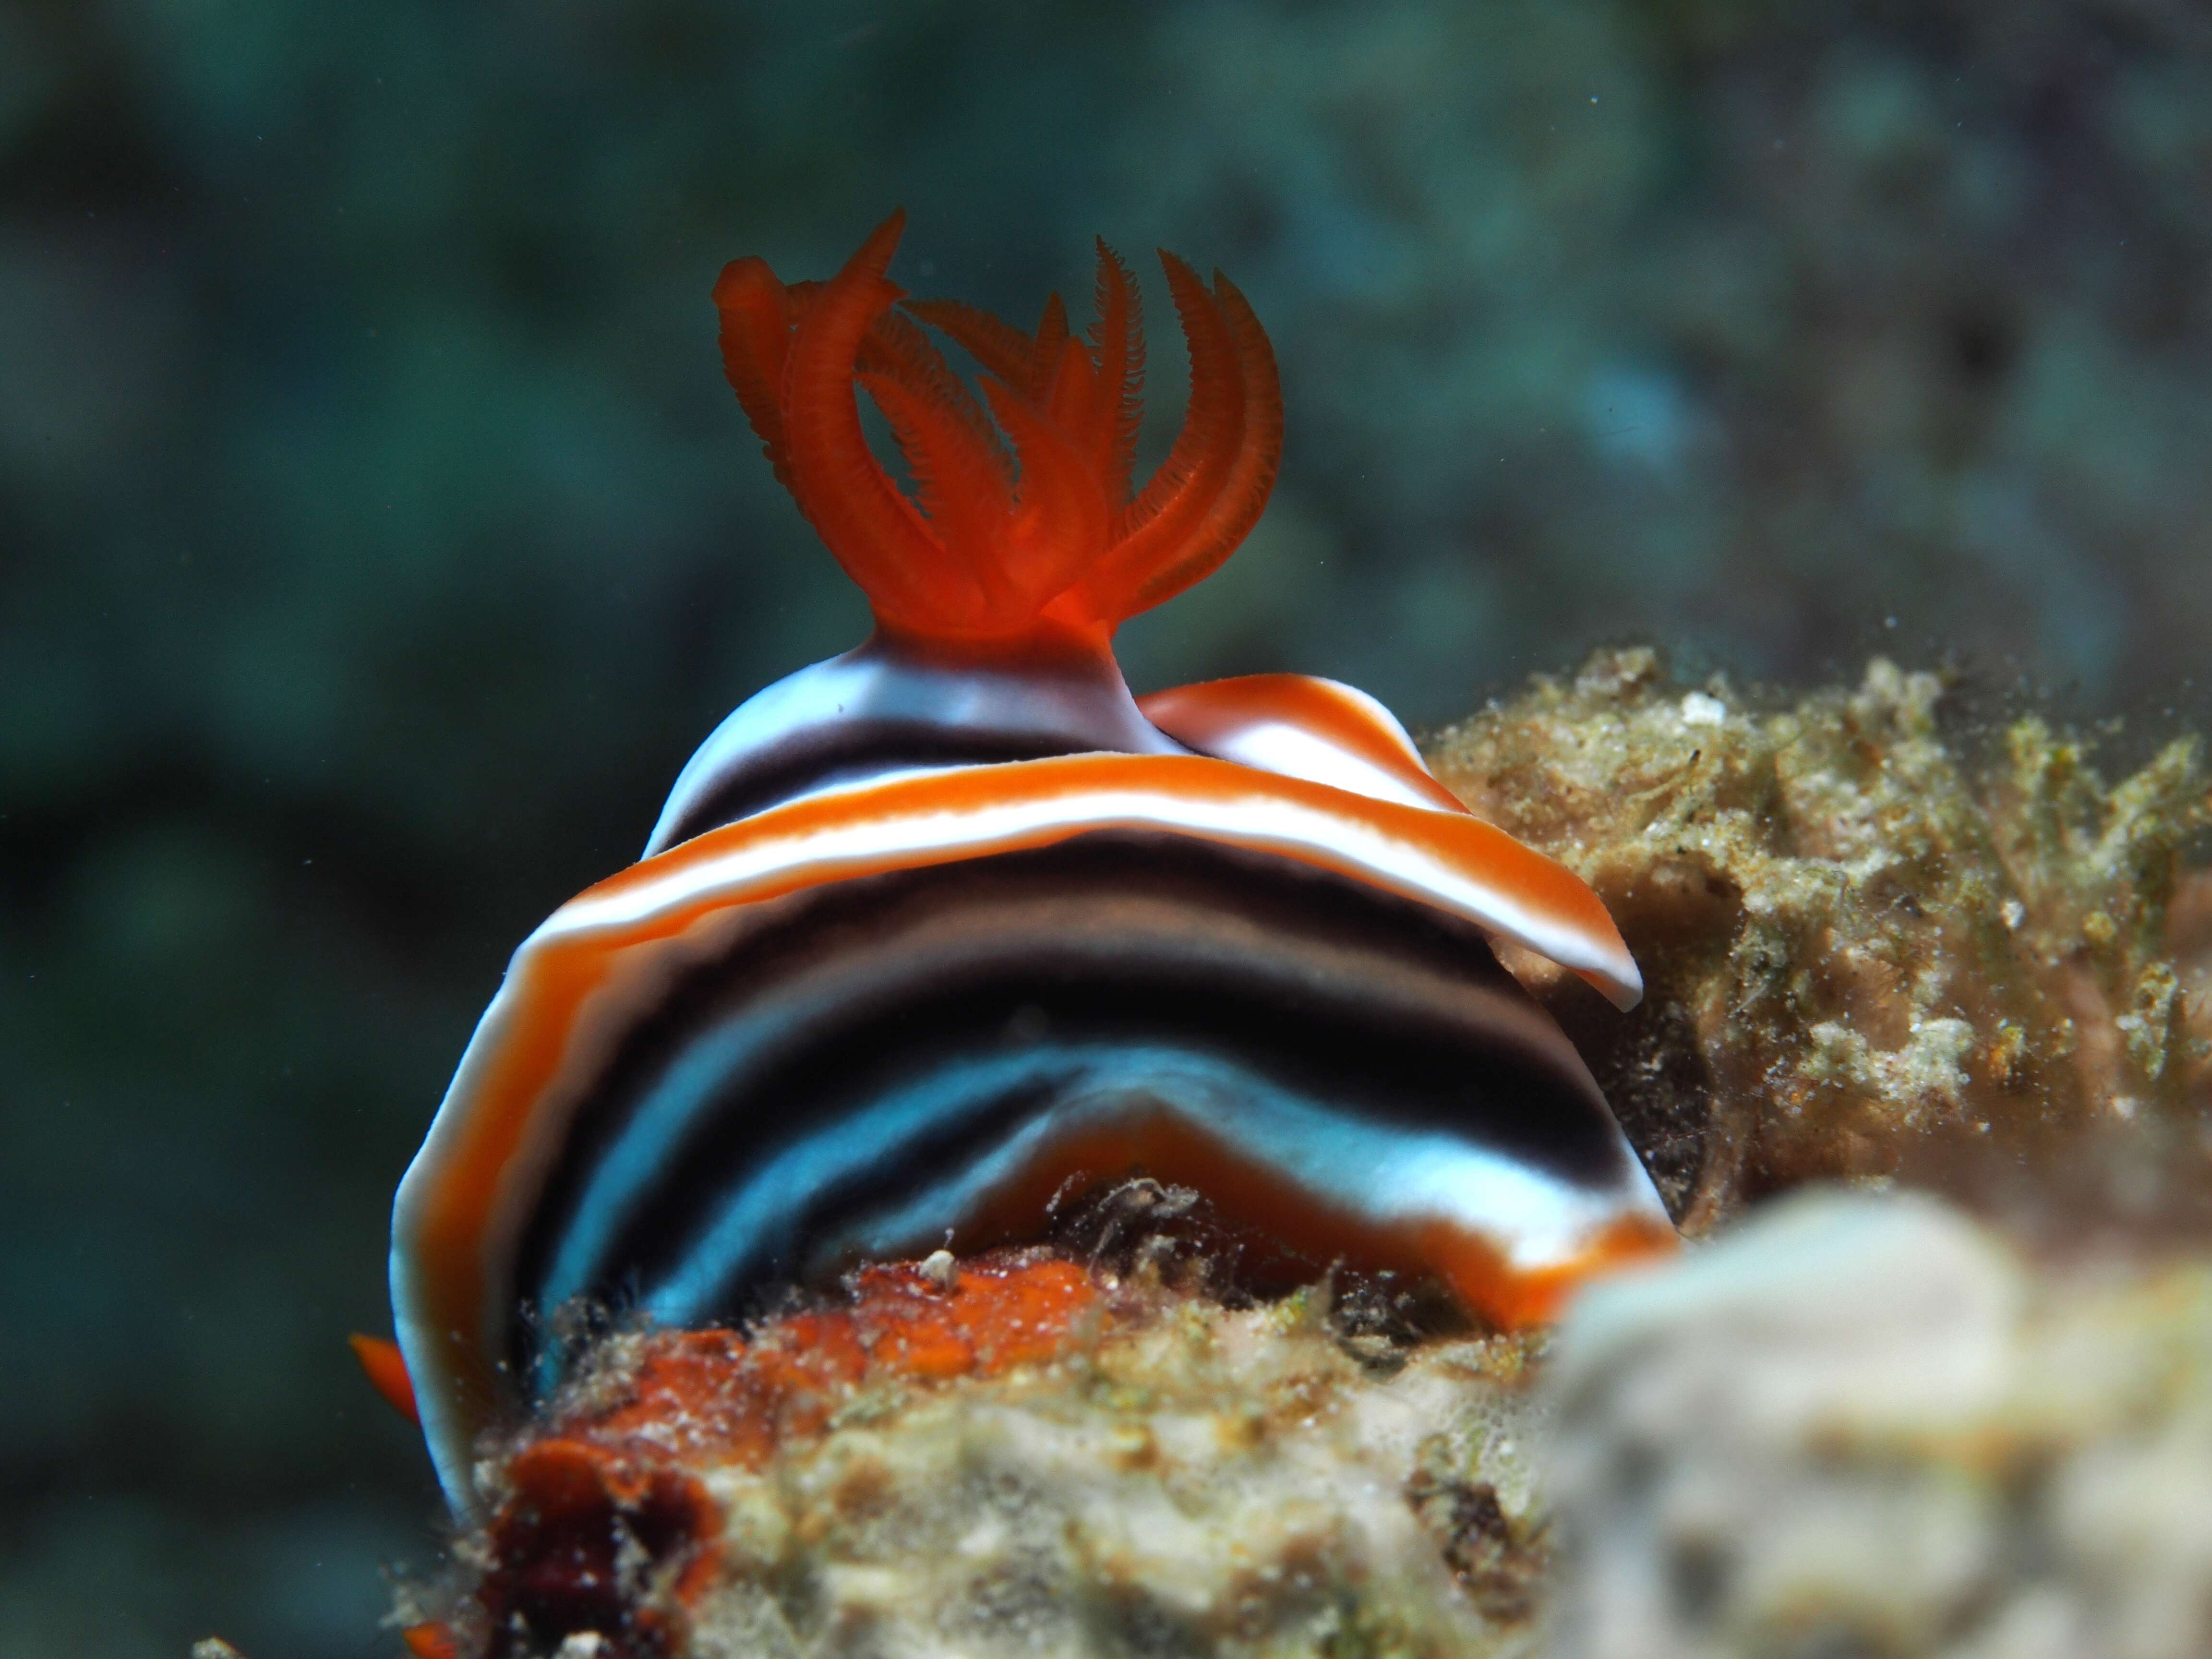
x,y
1858,1423
1872,947
1023,1457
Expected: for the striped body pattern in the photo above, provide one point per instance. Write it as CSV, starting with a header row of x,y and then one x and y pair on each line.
x,y
936,932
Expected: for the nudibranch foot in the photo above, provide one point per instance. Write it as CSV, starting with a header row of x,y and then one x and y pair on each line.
x,y
951,927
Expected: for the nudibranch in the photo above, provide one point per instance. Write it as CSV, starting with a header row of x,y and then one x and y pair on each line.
x,y
939,929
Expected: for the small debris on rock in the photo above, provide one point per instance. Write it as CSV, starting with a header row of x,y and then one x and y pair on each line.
x,y
940,1269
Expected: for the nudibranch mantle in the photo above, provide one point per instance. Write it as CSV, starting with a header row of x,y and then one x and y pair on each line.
x,y
930,932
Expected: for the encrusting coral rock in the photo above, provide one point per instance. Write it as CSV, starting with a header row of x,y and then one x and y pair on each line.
x,y
1874,952
1857,1423
1868,952
1033,1458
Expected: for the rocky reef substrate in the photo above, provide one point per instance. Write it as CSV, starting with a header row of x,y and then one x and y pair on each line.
x,y
1926,1071
1881,939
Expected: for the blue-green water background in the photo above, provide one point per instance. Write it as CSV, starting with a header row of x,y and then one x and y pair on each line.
x,y
377,534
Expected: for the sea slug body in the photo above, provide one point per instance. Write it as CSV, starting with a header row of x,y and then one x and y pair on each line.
x,y
934,931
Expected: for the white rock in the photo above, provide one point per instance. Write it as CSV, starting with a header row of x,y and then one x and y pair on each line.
x,y
1851,1427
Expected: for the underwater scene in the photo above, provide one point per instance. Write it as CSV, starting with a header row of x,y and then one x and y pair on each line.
x,y
1252,828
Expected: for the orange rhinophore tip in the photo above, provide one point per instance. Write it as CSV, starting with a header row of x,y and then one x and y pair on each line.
x,y
388,1372
1024,521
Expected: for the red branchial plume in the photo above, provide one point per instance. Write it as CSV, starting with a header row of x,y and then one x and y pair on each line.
x,y
1024,519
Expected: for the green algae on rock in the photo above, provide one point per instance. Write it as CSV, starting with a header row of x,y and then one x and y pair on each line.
x,y
1868,951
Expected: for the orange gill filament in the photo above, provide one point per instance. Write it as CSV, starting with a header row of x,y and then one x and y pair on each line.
x,y
1024,520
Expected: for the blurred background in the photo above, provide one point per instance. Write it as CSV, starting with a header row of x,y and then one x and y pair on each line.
x,y
378,535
